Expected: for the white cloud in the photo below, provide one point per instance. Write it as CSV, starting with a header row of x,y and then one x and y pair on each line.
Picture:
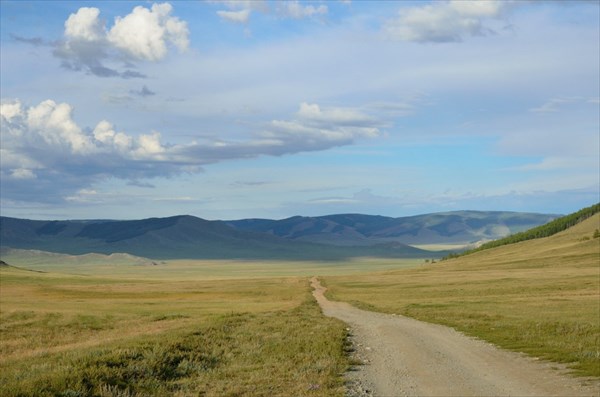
x,y
10,110
85,25
337,116
316,129
478,9
53,123
240,10
240,16
22,173
448,21
149,146
44,142
293,9
84,196
142,35
105,133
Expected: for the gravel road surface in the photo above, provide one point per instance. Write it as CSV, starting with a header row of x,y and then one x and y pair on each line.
x,y
406,357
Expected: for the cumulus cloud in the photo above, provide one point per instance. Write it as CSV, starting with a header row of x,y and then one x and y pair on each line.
x,y
85,25
44,142
449,21
143,35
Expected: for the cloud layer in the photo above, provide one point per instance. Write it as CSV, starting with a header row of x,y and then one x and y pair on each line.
x,y
405,100
45,144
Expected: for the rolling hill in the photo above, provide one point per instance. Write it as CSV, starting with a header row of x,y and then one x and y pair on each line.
x,y
546,230
328,237
459,227
177,237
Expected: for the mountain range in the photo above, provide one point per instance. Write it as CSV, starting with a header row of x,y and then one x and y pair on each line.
x,y
459,227
303,238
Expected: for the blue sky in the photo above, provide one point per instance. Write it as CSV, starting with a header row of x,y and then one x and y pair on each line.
x,y
238,109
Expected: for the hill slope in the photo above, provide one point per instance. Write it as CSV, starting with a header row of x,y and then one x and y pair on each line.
x,y
460,227
537,296
549,229
175,237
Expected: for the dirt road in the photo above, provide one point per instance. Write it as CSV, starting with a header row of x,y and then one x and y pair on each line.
x,y
406,357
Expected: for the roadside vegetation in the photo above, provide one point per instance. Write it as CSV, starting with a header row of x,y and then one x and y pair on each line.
x,y
547,230
64,335
539,296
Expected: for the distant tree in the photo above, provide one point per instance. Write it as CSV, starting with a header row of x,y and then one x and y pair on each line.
x,y
596,233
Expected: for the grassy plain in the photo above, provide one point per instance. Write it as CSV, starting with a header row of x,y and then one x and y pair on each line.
x,y
74,335
123,325
541,297
128,266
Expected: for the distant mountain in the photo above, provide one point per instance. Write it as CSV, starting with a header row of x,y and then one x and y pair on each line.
x,y
178,237
311,238
460,227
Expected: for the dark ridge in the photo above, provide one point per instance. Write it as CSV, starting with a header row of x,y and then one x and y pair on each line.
x,y
112,232
52,227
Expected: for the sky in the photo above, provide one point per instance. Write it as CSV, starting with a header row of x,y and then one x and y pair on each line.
x,y
270,109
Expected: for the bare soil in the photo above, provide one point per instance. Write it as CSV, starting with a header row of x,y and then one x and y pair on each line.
x,y
406,357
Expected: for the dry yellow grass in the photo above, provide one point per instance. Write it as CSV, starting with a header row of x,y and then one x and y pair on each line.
x,y
90,311
540,296
86,335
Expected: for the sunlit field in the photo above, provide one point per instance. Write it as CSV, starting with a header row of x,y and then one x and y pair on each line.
x,y
122,325
541,297
88,335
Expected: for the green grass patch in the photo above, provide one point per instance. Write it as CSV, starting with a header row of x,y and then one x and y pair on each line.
x,y
294,352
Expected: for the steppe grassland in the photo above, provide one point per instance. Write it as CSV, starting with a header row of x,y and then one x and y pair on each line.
x,y
541,296
90,335
127,266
